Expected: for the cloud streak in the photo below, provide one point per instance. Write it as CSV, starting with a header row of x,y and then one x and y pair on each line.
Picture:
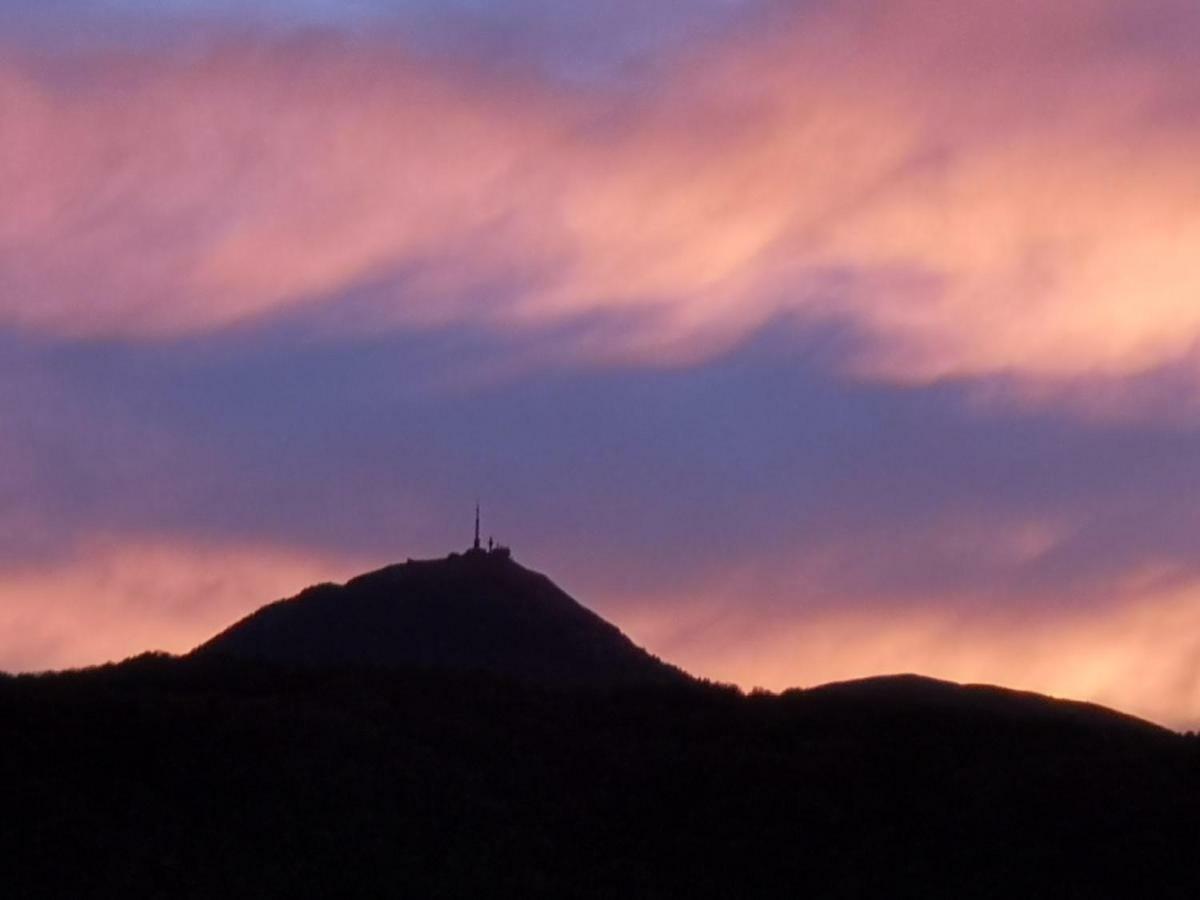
x,y
975,192
1139,657
116,598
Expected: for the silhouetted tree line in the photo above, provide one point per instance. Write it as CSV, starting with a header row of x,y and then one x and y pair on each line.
x,y
206,778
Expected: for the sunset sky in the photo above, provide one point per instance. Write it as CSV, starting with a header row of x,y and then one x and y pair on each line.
x,y
803,340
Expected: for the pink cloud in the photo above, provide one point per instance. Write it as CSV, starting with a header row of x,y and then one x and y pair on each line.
x,y
1138,655
114,599
1001,182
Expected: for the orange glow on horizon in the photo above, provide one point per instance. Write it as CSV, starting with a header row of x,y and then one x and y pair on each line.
x,y
115,600
1138,656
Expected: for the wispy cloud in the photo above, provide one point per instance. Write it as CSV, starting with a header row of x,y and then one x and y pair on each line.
x,y
1139,656
978,191
115,598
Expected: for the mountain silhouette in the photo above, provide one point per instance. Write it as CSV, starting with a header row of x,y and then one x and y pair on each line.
x,y
477,611
915,699
463,728
211,776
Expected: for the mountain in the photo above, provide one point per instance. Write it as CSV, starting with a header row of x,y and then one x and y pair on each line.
x,y
476,611
396,736
914,701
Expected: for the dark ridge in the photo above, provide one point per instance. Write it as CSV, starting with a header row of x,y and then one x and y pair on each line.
x,y
910,698
476,611
212,776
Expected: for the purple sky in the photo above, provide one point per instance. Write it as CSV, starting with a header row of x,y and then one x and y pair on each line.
x,y
803,341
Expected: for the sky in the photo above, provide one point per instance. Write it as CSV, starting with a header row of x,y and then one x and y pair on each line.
x,y
803,340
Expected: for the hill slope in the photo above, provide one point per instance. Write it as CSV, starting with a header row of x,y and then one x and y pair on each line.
x,y
207,777
463,728
476,611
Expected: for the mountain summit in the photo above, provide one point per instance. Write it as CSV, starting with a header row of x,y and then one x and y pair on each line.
x,y
372,766
476,611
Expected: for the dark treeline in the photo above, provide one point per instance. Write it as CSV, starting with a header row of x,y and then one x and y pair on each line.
x,y
206,778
